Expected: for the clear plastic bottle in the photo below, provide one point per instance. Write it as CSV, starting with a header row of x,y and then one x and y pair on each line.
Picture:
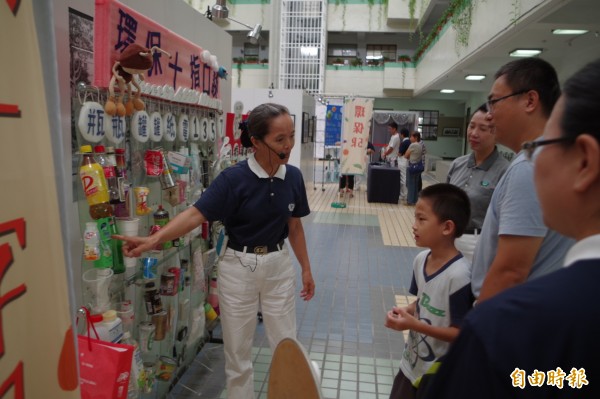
x,y
91,242
109,173
94,184
137,376
110,329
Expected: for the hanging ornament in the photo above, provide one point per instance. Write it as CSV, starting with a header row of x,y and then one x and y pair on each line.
x,y
91,121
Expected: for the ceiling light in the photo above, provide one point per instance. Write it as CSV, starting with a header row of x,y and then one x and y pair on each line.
x,y
220,10
447,91
569,31
474,77
525,52
254,34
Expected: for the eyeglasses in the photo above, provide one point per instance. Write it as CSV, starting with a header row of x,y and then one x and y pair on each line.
x,y
532,148
489,104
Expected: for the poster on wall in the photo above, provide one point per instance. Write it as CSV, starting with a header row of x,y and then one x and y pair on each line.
x,y
37,349
355,134
333,125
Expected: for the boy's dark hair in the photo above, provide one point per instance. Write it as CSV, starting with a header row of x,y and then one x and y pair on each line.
x,y
533,74
393,124
404,132
449,202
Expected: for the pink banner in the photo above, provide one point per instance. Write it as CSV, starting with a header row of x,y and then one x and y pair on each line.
x,y
116,26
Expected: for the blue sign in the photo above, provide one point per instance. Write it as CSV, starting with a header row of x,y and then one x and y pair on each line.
x,y
333,125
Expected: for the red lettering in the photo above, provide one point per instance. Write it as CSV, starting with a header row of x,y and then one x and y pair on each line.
x,y
6,259
16,379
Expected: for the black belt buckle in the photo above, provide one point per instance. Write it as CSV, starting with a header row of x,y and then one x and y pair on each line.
x,y
262,250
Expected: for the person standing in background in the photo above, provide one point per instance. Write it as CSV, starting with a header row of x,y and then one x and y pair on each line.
x,y
414,155
515,245
477,174
390,154
402,162
260,201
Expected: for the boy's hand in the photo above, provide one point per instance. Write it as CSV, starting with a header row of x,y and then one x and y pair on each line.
x,y
399,319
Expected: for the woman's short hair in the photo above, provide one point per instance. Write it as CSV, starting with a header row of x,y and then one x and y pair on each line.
x,y
259,122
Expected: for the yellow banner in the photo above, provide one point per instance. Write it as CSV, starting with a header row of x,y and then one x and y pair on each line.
x,y
37,353
357,114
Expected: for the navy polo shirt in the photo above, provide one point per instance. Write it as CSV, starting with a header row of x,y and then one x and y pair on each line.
x,y
254,207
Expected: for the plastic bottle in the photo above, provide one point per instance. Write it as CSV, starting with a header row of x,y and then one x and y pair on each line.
x,y
122,183
91,242
110,329
109,173
137,376
94,184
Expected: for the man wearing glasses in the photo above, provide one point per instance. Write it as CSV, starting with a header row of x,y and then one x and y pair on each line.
x,y
515,245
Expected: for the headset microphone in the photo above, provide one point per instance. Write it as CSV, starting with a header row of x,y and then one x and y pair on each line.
x,y
281,155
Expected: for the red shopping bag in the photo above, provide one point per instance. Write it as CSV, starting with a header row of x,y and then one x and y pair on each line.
x,y
103,367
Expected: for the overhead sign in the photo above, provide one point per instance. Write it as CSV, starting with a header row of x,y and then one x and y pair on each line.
x,y
116,26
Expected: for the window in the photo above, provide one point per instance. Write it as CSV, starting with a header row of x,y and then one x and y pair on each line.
x,y
381,52
428,123
250,52
341,53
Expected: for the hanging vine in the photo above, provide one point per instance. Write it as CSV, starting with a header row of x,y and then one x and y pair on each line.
x,y
412,6
515,13
461,22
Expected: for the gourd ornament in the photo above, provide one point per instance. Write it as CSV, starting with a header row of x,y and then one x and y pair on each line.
x,y
135,60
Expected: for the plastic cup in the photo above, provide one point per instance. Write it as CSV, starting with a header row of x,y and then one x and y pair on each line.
x,y
141,201
97,283
129,228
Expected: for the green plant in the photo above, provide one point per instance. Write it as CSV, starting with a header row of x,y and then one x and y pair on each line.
x,y
338,61
461,23
356,62
515,12
264,61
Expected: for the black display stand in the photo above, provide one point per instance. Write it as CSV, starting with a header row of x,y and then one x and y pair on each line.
x,y
383,184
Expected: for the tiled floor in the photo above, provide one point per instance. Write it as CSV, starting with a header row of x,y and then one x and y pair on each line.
x,y
358,279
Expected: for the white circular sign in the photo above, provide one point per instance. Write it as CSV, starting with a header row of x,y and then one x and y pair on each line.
x,y
183,128
204,127
220,128
170,132
115,128
139,126
212,132
91,121
194,128
156,127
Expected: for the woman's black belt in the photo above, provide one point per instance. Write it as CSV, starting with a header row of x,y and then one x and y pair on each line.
x,y
259,249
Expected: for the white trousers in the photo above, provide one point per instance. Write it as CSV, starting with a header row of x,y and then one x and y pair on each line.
x,y
402,164
245,279
466,244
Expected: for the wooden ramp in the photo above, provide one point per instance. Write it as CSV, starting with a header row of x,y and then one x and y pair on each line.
x,y
394,220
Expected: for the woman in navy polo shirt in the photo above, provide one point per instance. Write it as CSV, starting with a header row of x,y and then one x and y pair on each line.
x,y
260,201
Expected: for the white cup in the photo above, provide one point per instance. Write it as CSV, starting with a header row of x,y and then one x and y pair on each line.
x,y
97,283
128,227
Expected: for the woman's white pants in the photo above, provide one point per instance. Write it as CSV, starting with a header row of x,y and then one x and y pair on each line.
x,y
244,280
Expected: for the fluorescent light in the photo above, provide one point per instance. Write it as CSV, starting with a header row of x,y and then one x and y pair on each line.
x,y
447,91
474,77
569,31
525,52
